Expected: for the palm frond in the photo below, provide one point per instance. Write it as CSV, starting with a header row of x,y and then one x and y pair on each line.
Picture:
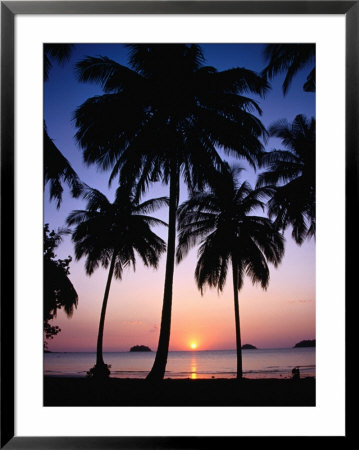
x,y
292,175
288,58
112,76
149,206
57,169
58,52
104,228
241,80
220,221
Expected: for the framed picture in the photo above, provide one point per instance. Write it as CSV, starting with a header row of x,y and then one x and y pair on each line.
x,y
78,84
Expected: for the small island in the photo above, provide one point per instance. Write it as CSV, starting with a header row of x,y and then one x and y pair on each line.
x,y
140,348
248,347
305,343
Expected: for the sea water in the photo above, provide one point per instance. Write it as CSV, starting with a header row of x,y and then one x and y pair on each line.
x,y
260,363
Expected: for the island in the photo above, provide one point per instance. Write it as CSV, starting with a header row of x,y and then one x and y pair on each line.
x,y
248,347
305,343
140,348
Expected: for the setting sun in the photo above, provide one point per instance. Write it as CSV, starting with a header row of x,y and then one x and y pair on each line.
x,y
193,346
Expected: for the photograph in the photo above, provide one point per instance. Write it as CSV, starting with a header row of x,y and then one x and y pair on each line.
x,y
179,224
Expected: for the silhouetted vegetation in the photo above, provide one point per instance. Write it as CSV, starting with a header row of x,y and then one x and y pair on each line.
x,y
111,234
99,372
290,58
305,343
140,348
164,116
59,53
169,117
222,222
292,172
57,169
59,292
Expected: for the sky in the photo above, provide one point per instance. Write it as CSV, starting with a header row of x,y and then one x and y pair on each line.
x,y
276,318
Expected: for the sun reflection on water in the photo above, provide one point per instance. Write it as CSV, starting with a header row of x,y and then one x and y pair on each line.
x,y
193,368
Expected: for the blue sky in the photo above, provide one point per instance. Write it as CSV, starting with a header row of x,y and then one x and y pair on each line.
x,y
62,95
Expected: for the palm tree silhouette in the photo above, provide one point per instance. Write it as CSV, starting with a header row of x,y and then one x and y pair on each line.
x,y
55,52
111,234
57,168
164,117
221,221
59,292
290,58
293,201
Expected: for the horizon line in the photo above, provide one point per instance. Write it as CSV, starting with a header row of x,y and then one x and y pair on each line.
x,y
171,351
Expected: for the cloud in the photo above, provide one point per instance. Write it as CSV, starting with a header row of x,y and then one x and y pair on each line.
x,y
154,329
301,301
132,322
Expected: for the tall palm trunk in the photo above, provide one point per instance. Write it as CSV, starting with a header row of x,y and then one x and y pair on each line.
x,y
101,367
159,366
236,315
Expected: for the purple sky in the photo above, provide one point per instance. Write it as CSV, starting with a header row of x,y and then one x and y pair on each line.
x,y
278,317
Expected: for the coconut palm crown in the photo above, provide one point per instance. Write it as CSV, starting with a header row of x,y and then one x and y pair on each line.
x,y
290,58
55,52
293,172
224,223
111,234
164,117
57,168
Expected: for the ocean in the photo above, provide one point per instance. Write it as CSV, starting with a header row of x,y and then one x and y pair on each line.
x,y
260,363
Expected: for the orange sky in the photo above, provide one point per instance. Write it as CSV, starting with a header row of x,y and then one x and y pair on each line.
x,y
278,317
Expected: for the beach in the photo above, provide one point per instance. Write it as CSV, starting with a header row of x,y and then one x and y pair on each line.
x,y
66,391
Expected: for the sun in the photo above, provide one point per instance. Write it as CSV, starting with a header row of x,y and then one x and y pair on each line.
x,y
193,346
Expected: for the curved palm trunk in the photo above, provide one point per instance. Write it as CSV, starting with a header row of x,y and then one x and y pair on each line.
x,y
100,367
236,315
159,366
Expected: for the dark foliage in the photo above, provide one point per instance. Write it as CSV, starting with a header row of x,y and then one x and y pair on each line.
x,y
290,58
55,52
164,117
59,293
110,234
140,348
121,227
223,222
57,169
305,343
292,173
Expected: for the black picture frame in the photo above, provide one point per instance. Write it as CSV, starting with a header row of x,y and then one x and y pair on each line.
x,y
9,10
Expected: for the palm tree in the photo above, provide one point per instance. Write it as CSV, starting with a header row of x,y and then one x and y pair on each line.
x,y
57,168
290,58
59,292
55,52
293,201
165,116
221,221
111,234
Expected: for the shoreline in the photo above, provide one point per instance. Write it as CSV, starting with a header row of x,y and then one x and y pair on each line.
x,y
80,391
191,376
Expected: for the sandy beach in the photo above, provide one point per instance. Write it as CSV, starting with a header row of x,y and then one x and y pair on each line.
x,y
220,392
